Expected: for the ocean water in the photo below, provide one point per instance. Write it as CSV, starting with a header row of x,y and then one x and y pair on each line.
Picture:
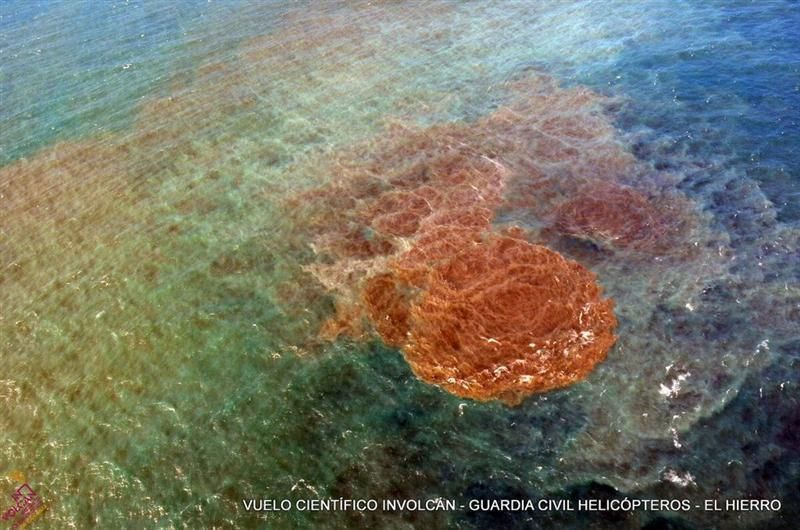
x,y
159,326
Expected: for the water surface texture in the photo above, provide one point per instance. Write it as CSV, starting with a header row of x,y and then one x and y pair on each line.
x,y
183,253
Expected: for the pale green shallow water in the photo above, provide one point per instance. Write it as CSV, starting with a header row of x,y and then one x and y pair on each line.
x,y
159,361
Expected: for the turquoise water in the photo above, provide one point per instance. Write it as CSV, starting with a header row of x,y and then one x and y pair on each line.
x,y
159,328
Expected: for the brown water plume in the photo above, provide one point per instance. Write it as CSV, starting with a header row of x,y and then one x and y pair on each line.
x,y
503,319
405,239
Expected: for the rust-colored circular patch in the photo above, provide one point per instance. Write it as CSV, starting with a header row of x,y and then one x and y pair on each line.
x,y
504,319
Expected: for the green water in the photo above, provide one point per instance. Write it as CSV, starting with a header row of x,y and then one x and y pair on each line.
x,y
153,377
